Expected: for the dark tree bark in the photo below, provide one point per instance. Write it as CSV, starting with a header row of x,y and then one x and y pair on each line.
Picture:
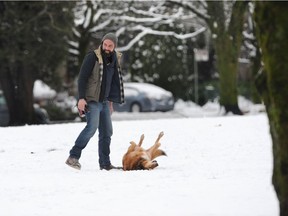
x,y
272,32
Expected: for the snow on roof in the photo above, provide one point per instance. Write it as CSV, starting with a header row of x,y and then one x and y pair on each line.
x,y
150,89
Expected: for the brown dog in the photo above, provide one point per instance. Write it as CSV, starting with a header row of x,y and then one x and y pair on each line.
x,y
137,158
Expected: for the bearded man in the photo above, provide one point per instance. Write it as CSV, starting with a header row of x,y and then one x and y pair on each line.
x,y
99,85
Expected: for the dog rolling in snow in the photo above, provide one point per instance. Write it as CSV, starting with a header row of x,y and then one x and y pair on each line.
x,y
137,158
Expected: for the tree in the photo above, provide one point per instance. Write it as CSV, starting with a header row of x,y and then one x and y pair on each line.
x,y
272,32
225,20
33,42
93,19
140,27
227,38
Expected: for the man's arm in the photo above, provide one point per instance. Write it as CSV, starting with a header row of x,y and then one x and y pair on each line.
x,y
85,72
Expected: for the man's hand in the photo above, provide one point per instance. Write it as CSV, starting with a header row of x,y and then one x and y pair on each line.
x,y
81,104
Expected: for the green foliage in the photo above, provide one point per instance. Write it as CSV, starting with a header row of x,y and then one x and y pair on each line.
x,y
167,62
33,42
35,33
164,61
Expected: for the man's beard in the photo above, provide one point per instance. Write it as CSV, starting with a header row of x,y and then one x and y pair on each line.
x,y
107,53
107,56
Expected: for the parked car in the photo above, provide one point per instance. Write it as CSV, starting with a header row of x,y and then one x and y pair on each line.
x,y
144,97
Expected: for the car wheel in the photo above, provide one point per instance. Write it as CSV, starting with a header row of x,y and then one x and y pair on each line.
x,y
135,107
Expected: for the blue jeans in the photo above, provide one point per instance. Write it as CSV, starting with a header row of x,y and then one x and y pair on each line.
x,y
99,117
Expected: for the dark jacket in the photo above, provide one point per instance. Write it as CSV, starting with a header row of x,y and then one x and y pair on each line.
x,y
90,78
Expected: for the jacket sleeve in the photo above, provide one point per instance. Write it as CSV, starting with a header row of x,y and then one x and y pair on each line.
x,y
85,72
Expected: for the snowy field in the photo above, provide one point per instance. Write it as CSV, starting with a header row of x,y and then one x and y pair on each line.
x,y
216,166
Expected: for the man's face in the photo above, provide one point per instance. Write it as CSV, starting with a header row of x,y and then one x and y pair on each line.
x,y
108,46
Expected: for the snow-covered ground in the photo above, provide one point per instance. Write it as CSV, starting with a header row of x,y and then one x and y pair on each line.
x,y
188,109
216,166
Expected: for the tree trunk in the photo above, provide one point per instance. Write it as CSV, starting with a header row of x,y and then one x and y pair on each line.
x,y
7,85
18,91
26,99
256,98
227,67
272,31
227,42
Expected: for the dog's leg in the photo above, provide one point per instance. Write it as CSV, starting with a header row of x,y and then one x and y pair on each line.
x,y
153,151
132,146
161,134
141,140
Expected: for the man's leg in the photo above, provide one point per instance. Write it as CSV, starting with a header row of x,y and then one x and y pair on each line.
x,y
92,118
105,133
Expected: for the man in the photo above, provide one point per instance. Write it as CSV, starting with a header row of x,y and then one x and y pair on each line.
x,y
99,85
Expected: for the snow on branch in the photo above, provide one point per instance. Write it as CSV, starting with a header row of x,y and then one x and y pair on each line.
x,y
189,5
154,18
106,11
131,19
140,20
101,25
249,36
76,33
88,18
179,13
145,31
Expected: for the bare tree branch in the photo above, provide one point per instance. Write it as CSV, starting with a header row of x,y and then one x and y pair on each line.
x,y
188,5
145,31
